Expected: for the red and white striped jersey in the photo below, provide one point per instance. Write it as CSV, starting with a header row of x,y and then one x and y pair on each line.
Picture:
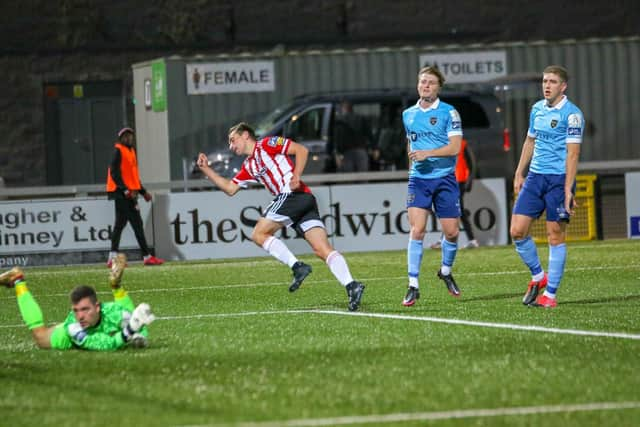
x,y
270,166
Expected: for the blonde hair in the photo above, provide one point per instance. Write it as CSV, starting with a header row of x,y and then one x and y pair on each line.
x,y
432,70
557,70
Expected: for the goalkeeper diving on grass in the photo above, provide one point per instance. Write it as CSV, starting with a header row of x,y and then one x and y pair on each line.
x,y
91,324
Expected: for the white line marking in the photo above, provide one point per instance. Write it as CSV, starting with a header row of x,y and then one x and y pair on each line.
x,y
486,324
422,319
481,324
438,415
366,280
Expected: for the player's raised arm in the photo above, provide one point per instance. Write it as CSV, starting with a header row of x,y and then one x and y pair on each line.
x,y
226,185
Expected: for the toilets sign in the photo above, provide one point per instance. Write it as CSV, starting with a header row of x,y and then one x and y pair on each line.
x,y
468,67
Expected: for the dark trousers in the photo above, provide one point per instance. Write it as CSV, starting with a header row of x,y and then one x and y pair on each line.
x,y
464,218
127,210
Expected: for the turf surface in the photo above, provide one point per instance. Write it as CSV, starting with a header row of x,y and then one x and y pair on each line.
x,y
233,347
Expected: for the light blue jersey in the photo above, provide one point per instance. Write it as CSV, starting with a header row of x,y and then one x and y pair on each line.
x,y
429,129
553,128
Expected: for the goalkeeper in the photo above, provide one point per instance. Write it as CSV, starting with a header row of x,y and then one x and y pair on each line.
x,y
91,325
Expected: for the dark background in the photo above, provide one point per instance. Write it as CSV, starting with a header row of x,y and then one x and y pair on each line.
x,y
69,41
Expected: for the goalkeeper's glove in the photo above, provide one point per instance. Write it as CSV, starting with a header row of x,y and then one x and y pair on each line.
x,y
137,340
140,317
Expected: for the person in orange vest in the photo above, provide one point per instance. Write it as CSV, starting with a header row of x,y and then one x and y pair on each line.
x,y
465,169
123,187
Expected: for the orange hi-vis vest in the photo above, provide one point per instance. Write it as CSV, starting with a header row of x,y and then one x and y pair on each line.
x,y
462,168
128,170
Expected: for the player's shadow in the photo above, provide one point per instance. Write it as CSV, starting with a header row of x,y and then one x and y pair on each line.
x,y
602,300
492,297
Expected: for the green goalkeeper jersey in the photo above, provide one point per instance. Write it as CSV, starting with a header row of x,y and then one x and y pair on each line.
x,y
105,336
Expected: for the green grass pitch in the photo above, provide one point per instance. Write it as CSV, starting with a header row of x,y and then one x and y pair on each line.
x,y
232,346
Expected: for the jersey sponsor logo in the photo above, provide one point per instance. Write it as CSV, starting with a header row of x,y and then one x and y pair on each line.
x,y
554,123
456,125
276,141
413,135
544,136
433,121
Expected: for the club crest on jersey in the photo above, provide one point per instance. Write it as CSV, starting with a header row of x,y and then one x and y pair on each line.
x,y
554,123
433,121
276,141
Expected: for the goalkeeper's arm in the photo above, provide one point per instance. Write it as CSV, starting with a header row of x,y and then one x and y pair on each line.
x,y
97,341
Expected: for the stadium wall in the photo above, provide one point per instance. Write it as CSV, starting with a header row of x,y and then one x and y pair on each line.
x,y
603,81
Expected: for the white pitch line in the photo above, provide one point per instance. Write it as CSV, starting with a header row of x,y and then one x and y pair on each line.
x,y
512,326
418,318
437,415
369,279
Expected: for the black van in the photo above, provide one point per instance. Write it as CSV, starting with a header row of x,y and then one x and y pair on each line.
x,y
311,120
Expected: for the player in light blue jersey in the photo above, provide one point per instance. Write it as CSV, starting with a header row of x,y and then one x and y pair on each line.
x,y
434,135
552,148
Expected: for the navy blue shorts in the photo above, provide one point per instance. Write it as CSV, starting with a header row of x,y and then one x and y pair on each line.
x,y
440,195
542,192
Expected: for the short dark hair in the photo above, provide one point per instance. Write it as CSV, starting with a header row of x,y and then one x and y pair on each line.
x,y
83,291
241,127
559,71
431,69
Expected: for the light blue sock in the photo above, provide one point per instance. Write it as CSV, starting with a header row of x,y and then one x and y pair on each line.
x,y
414,257
528,252
449,251
557,258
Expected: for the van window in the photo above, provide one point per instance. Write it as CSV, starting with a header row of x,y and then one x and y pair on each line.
x,y
472,113
306,126
267,123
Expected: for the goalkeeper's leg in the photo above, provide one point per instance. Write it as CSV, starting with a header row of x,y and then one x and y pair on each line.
x,y
28,306
120,294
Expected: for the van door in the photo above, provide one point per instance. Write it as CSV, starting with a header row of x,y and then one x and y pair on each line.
x,y
310,127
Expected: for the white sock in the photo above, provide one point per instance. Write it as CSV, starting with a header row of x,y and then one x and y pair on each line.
x,y
445,270
112,254
279,251
538,277
413,282
338,266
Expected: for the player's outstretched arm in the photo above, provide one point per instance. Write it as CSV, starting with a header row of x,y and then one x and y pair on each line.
x,y
97,341
226,185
